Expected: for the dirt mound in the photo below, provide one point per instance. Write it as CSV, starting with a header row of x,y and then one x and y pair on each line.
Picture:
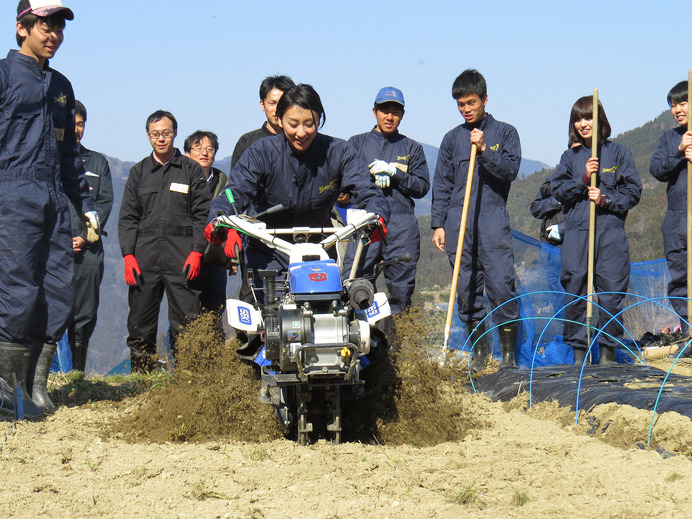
x,y
409,399
619,425
428,405
213,395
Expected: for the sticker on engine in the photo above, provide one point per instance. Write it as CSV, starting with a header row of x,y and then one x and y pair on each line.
x,y
296,324
372,310
379,309
319,276
244,315
293,335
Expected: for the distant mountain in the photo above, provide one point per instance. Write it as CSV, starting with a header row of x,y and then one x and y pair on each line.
x,y
223,164
107,346
529,167
431,153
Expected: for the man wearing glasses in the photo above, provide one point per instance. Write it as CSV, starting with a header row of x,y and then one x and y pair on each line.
x,y
161,232
201,147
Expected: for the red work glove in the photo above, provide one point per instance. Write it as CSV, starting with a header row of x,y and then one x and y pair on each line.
x,y
380,232
131,270
193,265
233,244
214,237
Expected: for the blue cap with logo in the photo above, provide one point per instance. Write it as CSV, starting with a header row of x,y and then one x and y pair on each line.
x,y
389,95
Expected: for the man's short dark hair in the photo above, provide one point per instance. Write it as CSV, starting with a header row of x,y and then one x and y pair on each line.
x,y
28,21
160,114
80,109
283,83
678,94
469,82
198,136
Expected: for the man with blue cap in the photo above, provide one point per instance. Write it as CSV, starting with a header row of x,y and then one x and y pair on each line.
x,y
398,166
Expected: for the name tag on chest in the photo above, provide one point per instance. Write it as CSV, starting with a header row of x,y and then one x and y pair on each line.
x,y
180,188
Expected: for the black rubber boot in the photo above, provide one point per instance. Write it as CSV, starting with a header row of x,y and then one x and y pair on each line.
x,y
481,350
15,358
686,344
607,355
79,353
579,356
508,343
41,361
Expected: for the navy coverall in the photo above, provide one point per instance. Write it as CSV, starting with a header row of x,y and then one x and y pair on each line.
x,y
412,180
88,264
618,180
668,164
487,260
268,174
247,139
162,218
39,165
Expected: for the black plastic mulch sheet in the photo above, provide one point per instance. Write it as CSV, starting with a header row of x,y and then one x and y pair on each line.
x,y
634,385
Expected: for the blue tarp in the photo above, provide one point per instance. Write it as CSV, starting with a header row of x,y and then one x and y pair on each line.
x,y
62,361
541,299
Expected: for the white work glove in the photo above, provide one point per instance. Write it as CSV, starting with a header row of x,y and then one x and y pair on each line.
x,y
380,166
93,226
382,180
553,232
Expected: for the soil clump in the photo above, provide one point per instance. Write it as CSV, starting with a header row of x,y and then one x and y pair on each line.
x,y
212,394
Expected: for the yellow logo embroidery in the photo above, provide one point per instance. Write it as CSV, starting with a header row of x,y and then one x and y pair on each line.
x,y
610,170
406,157
61,100
495,148
331,185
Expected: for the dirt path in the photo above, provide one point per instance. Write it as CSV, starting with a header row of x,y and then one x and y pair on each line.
x,y
516,466
421,445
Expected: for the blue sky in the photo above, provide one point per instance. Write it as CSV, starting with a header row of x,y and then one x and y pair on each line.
x,y
204,61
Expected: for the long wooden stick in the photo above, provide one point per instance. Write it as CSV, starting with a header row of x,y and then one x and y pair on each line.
x,y
592,222
460,248
689,207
